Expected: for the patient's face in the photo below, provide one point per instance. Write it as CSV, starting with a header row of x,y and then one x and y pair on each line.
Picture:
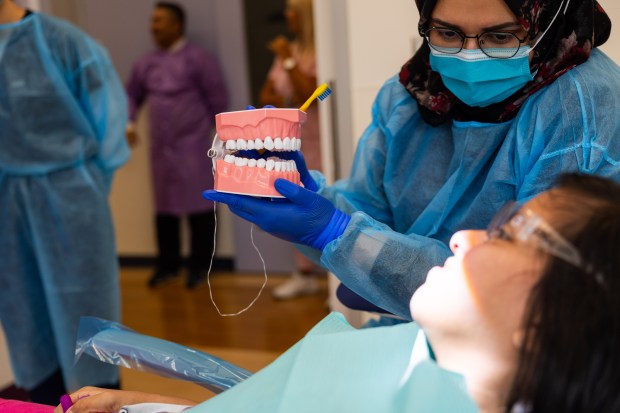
x,y
484,287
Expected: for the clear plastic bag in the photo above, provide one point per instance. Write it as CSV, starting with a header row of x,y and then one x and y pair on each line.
x,y
116,344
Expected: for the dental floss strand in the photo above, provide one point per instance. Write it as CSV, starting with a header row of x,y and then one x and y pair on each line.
x,y
213,256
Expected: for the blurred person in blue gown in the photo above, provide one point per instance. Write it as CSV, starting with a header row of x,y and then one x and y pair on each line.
x,y
502,97
62,119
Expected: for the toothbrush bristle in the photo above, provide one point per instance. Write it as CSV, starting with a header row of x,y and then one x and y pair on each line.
x,y
325,94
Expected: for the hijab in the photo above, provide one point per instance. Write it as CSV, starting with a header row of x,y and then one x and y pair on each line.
x,y
568,42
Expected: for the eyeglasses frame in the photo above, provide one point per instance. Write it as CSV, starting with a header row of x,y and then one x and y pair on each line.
x,y
464,37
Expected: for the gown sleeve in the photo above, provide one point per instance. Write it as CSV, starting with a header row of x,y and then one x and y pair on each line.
x,y
378,263
136,92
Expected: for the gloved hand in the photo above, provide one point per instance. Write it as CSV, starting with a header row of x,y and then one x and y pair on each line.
x,y
304,174
303,218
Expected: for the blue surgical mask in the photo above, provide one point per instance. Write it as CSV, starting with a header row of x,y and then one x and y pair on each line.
x,y
479,80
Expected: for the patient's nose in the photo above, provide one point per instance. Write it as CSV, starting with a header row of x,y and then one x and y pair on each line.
x,y
463,241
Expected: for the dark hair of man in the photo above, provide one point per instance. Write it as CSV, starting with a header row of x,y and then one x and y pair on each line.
x,y
570,357
175,10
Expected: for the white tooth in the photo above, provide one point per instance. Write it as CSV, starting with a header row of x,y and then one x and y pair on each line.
x,y
299,144
252,163
245,162
242,144
277,142
251,144
287,143
268,143
229,158
258,144
278,166
270,165
261,163
293,166
231,145
287,166
293,144
238,161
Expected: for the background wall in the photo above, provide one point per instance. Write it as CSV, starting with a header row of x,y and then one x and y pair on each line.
x,y
612,47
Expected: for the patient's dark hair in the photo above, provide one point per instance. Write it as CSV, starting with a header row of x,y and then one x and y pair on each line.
x,y
175,10
570,357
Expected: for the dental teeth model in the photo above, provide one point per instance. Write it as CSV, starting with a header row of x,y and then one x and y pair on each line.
x,y
275,130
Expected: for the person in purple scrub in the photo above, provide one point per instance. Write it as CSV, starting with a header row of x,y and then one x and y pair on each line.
x,y
185,89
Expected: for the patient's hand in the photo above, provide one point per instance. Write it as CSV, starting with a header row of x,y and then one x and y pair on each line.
x,y
93,399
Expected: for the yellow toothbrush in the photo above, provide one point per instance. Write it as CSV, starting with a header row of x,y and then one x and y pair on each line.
x,y
321,92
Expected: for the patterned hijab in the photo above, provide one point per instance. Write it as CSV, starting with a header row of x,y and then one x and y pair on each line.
x,y
567,43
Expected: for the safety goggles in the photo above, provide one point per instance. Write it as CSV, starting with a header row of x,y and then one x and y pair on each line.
x,y
516,223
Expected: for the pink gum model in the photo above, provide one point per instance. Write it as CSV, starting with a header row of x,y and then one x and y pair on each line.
x,y
277,130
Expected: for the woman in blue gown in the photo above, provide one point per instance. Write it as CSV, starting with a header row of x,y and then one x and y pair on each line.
x,y
502,97
63,113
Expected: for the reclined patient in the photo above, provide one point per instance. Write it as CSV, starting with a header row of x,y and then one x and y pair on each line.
x,y
525,317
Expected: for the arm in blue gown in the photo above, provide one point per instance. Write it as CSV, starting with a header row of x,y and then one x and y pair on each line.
x,y
572,125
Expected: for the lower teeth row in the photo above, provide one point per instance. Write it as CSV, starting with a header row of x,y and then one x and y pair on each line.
x,y
269,164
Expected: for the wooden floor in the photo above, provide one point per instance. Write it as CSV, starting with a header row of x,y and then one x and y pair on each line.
x,y
251,340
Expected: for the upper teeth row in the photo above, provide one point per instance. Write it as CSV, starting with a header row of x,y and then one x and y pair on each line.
x,y
270,164
269,143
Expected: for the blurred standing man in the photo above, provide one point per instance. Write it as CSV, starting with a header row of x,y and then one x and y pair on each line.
x,y
185,90
63,113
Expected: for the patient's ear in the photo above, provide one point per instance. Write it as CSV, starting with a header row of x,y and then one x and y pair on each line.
x,y
520,336
517,338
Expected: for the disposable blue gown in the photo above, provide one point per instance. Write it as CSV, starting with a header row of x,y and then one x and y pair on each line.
x,y
62,120
413,185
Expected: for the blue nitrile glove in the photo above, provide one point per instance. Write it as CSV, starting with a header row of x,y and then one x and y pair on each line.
x,y
303,218
298,157
304,174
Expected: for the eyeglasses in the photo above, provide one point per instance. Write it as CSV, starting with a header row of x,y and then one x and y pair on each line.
x,y
495,44
513,222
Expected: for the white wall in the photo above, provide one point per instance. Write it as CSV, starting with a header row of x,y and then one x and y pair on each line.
x,y
361,43
612,47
